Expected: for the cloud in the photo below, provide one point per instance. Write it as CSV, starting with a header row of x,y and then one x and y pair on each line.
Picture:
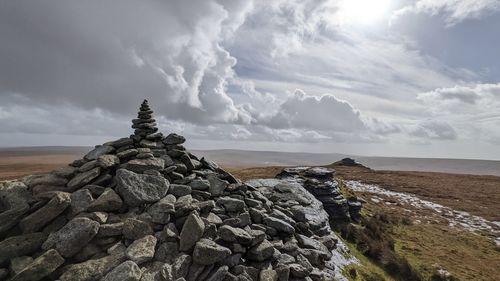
x,y
433,129
112,54
454,11
324,113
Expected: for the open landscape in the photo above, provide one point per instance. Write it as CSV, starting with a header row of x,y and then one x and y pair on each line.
x,y
250,140
437,220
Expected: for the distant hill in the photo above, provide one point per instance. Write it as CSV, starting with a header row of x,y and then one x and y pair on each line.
x,y
244,158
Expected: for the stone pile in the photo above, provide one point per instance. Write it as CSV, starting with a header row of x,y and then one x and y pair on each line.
x,y
320,182
143,208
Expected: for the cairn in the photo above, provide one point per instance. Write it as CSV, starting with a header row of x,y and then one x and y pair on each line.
x,y
143,208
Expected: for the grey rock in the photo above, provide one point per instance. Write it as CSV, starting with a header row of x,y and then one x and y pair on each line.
x,y
232,204
268,275
98,151
137,189
180,267
142,249
21,245
262,251
91,270
217,186
160,211
107,161
173,139
47,213
279,225
41,267
200,184
207,252
141,165
167,252
191,232
112,229
126,271
219,274
17,264
48,179
84,178
179,190
80,200
72,237
233,234
134,229
108,201
127,153
88,166
120,142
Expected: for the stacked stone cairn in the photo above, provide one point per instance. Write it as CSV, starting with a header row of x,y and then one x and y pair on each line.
x,y
143,208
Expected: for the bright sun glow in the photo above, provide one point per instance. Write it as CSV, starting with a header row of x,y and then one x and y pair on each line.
x,y
363,11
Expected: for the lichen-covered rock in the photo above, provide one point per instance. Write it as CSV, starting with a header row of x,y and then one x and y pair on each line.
x,y
72,237
20,245
191,232
142,249
126,271
137,189
84,178
108,201
41,267
48,212
207,252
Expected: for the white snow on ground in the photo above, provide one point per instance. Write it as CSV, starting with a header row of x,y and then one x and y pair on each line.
x,y
455,218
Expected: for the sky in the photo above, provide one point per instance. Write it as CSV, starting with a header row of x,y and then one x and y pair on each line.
x,y
368,77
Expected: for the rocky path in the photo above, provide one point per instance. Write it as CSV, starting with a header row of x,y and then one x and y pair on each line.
x,y
459,219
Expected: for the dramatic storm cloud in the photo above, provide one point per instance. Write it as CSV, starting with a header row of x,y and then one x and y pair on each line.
x,y
386,77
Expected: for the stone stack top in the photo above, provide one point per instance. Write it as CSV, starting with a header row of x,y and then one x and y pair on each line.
x,y
145,124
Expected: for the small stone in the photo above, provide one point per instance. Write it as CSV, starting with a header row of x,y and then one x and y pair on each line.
x,y
126,271
98,151
268,275
200,184
261,252
232,234
207,252
80,200
108,161
48,212
141,165
231,204
180,267
134,229
219,274
142,250
72,237
41,267
217,186
21,245
173,139
91,270
112,229
84,178
179,190
17,264
109,201
279,225
127,153
191,232
160,211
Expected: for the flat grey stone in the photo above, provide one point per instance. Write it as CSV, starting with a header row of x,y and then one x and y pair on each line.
x,y
137,189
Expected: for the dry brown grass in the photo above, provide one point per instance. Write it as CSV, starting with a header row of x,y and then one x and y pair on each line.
x,y
17,164
478,195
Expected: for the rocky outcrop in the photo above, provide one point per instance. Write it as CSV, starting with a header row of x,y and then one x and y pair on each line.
x,y
320,182
144,208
